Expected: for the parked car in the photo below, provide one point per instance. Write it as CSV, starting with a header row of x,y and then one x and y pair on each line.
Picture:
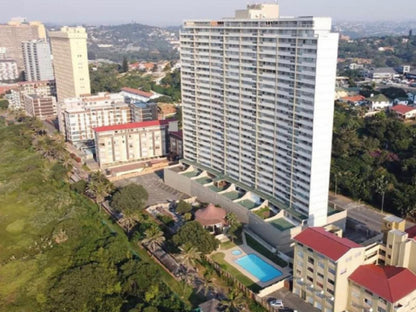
x,y
276,303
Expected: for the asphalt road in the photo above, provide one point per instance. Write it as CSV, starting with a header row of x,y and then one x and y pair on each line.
x,y
158,191
291,301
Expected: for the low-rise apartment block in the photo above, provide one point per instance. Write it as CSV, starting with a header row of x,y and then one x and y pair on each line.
x,y
336,274
42,107
79,116
133,95
39,88
176,144
132,142
142,111
8,70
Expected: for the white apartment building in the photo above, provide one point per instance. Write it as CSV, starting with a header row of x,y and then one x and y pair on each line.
x,y
8,70
39,88
42,107
257,94
38,60
132,142
78,116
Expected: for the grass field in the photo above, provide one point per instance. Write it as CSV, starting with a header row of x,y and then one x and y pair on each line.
x,y
57,250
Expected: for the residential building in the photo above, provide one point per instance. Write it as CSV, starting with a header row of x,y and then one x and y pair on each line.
x,y
132,95
12,35
142,111
78,117
176,144
132,141
42,107
382,73
404,112
382,289
401,248
379,101
70,60
257,93
354,100
39,88
38,60
322,263
8,70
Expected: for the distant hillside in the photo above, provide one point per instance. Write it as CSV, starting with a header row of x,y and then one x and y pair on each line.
x,y
136,41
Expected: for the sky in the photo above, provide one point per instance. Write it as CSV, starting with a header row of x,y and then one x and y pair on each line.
x,y
173,12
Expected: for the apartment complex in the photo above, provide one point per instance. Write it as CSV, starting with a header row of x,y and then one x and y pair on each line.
x,y
336,274
133,95
78,116
8,70
38,60
39,88
142,111
257,94
42,107
12,35
132,142
176,144
70,60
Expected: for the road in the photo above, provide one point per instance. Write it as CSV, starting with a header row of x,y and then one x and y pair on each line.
x,y
291,301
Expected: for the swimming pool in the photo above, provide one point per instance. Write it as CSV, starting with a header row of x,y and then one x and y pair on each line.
x,y
257,267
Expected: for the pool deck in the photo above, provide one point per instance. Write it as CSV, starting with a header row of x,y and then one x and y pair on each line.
x,y
246,250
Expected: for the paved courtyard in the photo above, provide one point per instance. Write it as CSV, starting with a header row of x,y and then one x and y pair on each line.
x,y
158,191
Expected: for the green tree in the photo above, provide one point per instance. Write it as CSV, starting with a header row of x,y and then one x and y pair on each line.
x,y
235,301
153,237
189,255
125,65
98,186
235,226
194,234
183,207
80,186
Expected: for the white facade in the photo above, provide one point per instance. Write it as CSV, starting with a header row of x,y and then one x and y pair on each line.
x,y
78,116
38,60
8,70
257,97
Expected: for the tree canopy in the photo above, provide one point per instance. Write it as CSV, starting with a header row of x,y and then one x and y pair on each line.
x,y
195,235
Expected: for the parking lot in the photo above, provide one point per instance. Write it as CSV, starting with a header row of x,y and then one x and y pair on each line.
x,y
158,191
292,302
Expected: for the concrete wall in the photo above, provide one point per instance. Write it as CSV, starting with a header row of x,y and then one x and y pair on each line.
x,y
280,240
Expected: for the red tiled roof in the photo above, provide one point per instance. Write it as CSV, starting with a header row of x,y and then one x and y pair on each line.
x,y
389,282
412,232
137,92
355,98
326,243
402,109
131,125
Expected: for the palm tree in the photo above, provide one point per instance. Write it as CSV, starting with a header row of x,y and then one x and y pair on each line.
x,y
189,255
154,237
98,186
235,301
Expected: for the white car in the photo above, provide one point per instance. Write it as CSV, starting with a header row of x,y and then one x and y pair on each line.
x,y
276,303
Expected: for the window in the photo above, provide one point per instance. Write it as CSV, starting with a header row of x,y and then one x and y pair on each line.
x,y
311,260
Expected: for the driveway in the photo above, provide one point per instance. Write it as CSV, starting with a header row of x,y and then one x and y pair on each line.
x,y
158,191
292,301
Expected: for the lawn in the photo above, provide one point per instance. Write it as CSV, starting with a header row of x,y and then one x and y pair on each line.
x,y
219,258
249,204
263,213
281,224
264,251
227,245
232,195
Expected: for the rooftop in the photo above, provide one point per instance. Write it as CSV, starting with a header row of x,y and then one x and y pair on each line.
x,y
354,98
326,243
412,232
210,215
137,92
402,109
132,125
388,282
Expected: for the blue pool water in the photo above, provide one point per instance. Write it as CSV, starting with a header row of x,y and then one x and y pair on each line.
x,y
236,252
259,268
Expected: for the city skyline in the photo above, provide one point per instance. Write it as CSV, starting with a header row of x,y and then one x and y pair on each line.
x,y
169,13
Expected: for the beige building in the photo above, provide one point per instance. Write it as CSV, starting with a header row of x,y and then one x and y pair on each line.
x,y
382,289
70,60
78,116
42,107
322,263
132,142
39,88
13,33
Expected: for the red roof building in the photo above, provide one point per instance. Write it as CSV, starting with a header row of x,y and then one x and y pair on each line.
x,y
402,109
133,125
354,99
388,282
138,92
325,243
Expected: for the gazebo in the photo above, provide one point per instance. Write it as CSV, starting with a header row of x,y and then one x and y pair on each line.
x,y
211,217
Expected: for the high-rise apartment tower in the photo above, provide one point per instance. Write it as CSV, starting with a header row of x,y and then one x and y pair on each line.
x,y
38,60
258,102
70,60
